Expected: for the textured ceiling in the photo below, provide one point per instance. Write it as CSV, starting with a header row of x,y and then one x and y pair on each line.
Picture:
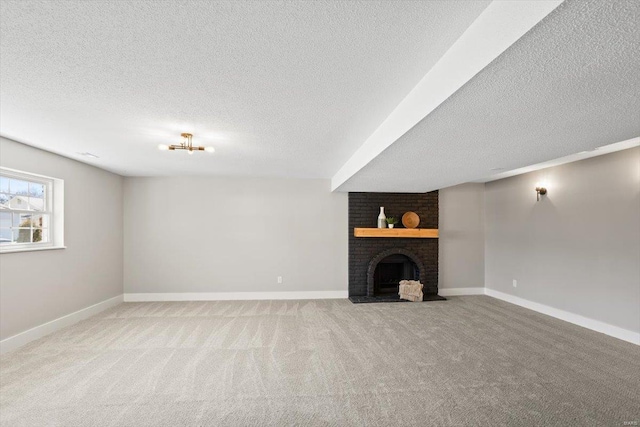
x,y
279,88
500,25
571,84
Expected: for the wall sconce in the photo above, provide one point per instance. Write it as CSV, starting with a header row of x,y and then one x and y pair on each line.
x,y
540,191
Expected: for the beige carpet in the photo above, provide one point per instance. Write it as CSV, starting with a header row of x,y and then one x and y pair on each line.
x,y
469,361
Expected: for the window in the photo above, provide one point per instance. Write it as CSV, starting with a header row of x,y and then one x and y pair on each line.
x,y
27,214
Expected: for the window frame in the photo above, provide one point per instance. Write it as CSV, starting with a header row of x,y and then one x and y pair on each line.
x,y
50,207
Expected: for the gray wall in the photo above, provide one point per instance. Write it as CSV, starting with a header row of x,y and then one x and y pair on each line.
x,y
461,259
578,249
208,234
37,287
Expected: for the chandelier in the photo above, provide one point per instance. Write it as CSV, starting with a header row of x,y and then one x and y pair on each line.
x,y
186,144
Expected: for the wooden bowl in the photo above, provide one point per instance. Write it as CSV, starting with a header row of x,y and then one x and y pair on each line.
x,y
410,220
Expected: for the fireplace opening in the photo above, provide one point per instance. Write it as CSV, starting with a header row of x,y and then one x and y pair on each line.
x,y
388,268
390,271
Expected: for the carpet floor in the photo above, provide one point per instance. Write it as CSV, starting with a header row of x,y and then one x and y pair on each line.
x,y
469,361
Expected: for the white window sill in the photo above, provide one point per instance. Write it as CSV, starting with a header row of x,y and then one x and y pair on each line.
x,y
44,248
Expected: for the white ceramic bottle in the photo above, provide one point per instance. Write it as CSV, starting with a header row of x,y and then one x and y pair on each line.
x,y
382,218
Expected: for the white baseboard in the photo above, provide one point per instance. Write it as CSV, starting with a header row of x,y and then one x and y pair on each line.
x,y
451,292
18,340
234,296
576,319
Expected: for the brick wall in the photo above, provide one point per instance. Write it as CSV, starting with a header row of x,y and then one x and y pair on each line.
x,y
363,212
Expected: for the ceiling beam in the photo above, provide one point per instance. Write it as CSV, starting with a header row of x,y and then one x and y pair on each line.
x,y
500,25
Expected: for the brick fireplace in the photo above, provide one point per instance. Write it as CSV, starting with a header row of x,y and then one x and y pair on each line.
x,y
373,261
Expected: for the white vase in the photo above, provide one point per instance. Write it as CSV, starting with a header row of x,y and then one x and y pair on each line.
x,y
382,218
391,225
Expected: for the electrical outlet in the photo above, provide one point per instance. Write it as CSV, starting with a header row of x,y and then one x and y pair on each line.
x,y
515,283
279,279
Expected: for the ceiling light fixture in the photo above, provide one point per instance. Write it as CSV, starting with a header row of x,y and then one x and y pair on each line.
x,y
186,144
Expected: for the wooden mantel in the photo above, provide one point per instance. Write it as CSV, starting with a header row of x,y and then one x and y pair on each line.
x,y
411,233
